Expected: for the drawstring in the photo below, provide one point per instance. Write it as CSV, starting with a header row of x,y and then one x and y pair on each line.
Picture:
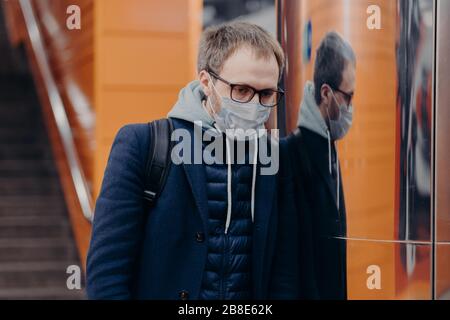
x,y
227,224
337,165
255,160
229,195
329,151
337,158
338,175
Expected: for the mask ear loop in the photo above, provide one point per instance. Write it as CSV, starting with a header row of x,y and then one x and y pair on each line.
x,y
209,103
328,113
337,103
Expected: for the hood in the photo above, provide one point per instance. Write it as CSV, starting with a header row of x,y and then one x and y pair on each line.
x,y
189,106
309,115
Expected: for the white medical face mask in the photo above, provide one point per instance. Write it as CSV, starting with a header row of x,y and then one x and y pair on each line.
x,y
340,127
240,120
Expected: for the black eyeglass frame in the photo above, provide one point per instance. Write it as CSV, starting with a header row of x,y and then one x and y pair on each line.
x,y
279,92
348,96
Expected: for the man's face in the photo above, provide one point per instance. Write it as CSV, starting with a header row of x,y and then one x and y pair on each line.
x,y
343,93
243,67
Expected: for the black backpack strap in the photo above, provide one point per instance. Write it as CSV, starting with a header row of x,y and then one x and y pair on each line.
x,y
158,160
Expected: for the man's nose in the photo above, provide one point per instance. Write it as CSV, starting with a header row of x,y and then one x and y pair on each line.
x,y
255,98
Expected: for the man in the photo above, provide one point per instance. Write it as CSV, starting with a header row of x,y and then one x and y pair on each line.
x,y
325,117
211,234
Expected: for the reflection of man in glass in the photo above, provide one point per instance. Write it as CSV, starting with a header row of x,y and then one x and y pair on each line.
x,y
325,117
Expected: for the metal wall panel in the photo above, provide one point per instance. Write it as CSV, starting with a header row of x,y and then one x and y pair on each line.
x,y
442,158
442,153
414,122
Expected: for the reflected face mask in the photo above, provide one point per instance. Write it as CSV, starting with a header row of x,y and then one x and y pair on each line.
x,y
340,127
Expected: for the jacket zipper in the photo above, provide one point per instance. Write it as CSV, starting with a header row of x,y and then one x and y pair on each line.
x,y
224,264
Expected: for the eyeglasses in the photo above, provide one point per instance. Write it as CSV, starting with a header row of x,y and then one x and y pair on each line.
x,y
244,93
347,96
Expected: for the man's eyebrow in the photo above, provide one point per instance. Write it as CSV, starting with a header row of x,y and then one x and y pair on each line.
x,y
350,93
248,85
270,88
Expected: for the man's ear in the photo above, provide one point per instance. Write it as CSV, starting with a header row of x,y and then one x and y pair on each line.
x,y
204,79
325,94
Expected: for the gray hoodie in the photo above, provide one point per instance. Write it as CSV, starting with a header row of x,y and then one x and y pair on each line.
x,y
309,115
189,105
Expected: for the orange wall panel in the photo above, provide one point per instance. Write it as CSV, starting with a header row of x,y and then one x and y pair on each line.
x,y
142,16
144,61
140,106
367,154
145,52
